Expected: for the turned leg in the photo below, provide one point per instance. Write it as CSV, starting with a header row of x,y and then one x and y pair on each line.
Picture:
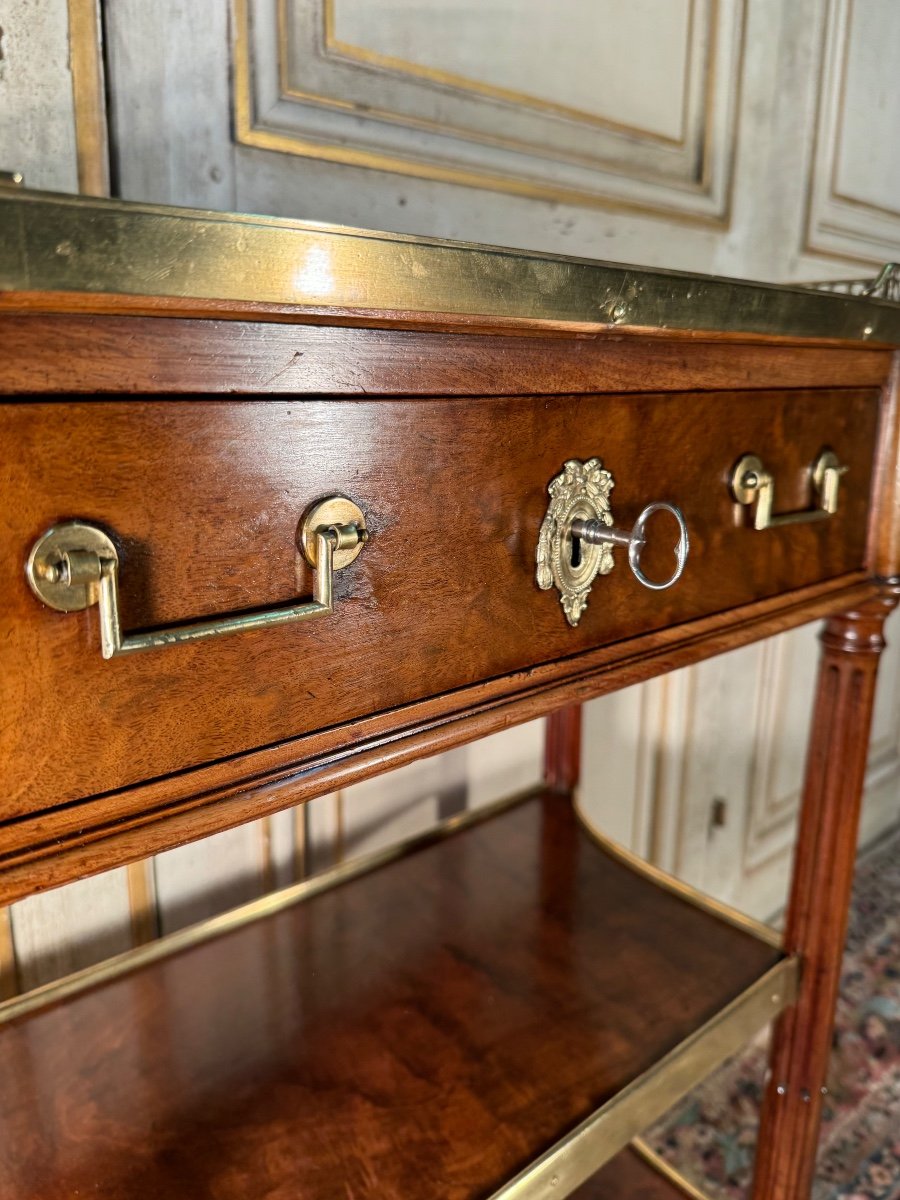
x,y
816,927
562,749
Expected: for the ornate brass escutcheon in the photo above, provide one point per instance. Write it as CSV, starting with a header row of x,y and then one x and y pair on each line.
x,y
577,536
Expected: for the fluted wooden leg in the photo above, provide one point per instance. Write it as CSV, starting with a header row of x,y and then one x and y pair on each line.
x,y
562,749
820,895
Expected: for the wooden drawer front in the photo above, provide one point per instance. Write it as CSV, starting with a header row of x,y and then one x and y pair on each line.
x,y
204,499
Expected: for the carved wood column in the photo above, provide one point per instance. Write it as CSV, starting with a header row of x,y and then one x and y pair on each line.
x,y
816,928
562,749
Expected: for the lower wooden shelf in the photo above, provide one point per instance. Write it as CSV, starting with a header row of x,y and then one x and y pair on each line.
x,y
494,1014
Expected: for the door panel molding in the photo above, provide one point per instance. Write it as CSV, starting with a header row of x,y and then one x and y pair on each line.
x,y
301,89
851,213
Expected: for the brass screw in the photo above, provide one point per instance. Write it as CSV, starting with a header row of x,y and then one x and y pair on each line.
x,y
51,572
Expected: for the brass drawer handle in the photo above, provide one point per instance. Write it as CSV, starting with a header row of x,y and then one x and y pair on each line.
x,y
577,536
75,565
752,484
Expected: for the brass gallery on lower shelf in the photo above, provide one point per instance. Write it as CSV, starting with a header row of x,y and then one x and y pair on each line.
x,y
587,1147
579,1153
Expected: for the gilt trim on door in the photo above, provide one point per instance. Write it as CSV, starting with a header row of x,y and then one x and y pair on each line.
x,y
300,89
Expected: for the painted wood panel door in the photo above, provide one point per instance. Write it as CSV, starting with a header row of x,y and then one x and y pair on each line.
x,y
708,135
701,770
745,137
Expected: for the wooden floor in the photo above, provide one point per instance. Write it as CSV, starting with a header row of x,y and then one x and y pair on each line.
x,y
424,1030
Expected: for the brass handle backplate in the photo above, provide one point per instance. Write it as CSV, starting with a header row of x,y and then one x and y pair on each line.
x,y
75,565
751,484
577,536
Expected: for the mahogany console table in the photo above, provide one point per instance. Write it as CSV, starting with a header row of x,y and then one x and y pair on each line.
x,y
384,467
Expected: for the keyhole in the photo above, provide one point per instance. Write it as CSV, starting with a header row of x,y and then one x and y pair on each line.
x,y
576,552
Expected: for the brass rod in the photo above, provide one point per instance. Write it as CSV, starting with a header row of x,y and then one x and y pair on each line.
x,y
717,908
597,1139
256,910
652,1159
114,642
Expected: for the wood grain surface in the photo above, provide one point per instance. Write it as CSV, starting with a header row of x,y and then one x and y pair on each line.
x,y
428,1029
424,1030
884,525
49,848
204,500
816,928
120,354
579,324
562,749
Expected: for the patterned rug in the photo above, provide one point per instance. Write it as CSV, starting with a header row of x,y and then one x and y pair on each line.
x,y
710,1137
